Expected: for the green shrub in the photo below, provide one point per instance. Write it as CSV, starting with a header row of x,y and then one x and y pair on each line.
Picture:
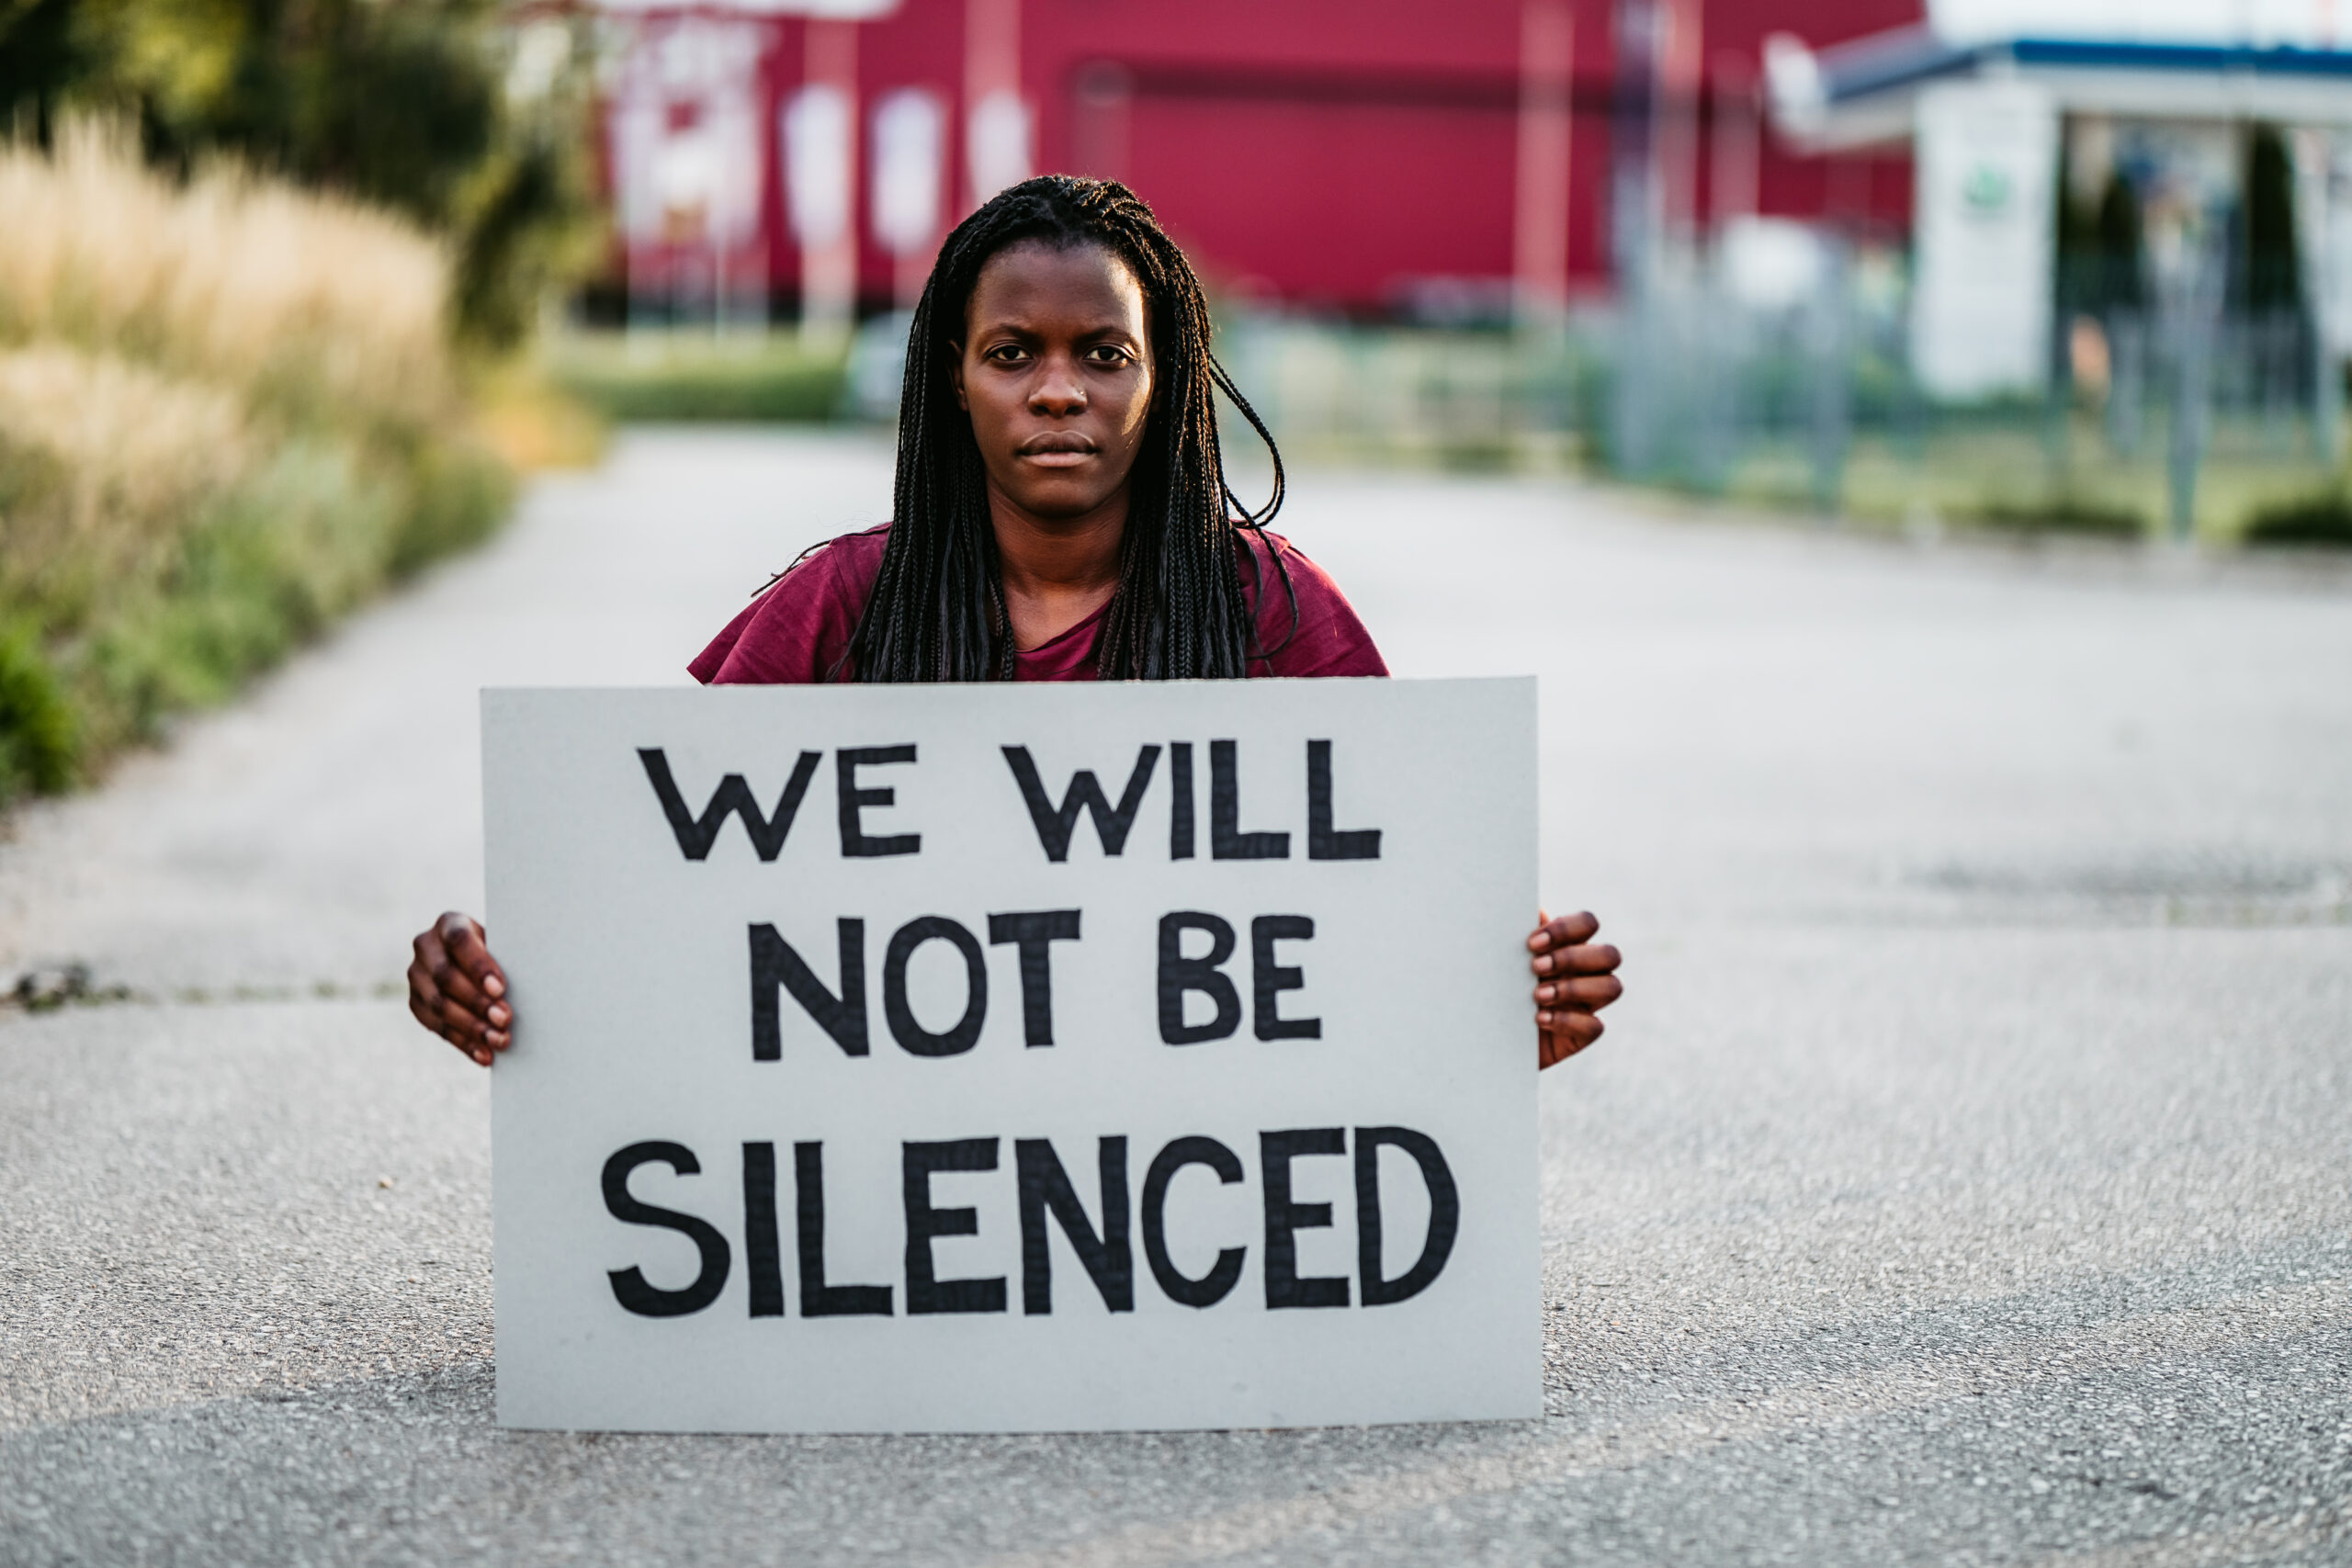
x,y
93,661
38,742
2324,519
458,495
271,565
2066,514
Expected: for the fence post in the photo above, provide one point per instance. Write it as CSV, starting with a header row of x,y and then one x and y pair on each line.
x,y
1831,391
2127,380
2058,402
1625,454
2327,397
2192,379
1714,405
1638,392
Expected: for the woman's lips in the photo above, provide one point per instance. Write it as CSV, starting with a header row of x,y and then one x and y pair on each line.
x,y
1058,450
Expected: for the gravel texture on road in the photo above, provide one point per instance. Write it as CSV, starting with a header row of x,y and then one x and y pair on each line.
x,y
1965,1178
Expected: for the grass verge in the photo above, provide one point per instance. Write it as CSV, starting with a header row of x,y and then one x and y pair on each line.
x,y
685,376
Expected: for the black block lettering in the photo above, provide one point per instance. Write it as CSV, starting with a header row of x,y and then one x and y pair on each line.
x,y
1180,800
1110,1262
1445,1213
1218,1283
1227,841
925,1291
761,1250
1056,824
854,800
818,1299
1322,843
904,1028
1284,1218
630,1287
775,966
1036,931
1268,980
732,798
1178,975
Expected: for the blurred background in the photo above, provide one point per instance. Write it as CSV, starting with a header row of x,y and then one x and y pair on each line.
x,y
290,289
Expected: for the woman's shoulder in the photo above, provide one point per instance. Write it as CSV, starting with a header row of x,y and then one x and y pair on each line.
x,y
1326,636
797,629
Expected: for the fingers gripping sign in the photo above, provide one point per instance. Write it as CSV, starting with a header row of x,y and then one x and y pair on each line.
x,y
1575,978
457,989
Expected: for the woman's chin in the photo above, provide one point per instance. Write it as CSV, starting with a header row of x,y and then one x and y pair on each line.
x,y
1062,497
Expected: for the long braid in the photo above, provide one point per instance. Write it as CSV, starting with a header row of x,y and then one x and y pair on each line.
x,y
937,610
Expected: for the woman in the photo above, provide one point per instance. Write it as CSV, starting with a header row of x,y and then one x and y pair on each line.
x,y
1060,513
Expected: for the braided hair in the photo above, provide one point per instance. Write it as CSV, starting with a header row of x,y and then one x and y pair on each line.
x,y
937,610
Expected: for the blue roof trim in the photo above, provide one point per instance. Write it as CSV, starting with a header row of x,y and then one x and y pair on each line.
x,y
1914,56
2283,60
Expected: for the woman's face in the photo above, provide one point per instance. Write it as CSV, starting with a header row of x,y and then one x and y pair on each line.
x,y
1055,369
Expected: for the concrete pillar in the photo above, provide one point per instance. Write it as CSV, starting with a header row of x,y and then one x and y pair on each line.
x,y
909,178
1540,206
820,161
1000,136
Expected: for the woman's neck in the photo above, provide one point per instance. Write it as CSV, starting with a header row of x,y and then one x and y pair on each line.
x,y
1057,571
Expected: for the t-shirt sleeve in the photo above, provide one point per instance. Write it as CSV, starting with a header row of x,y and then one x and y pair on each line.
x,y
1331,639
798,632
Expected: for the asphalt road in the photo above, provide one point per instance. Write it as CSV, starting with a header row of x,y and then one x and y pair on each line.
x,y
1967,1177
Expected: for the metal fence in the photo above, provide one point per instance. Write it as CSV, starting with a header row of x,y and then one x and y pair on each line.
x,y
2183,419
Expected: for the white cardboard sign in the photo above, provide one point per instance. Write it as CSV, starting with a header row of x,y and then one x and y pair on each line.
x,y
1015,1058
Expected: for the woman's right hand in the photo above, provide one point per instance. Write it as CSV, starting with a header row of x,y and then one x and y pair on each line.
x,y
457,989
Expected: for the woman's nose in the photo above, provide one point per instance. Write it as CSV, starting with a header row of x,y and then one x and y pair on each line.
x,y
1058,389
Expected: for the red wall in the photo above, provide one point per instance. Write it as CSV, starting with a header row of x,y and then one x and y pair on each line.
x,y
1326,152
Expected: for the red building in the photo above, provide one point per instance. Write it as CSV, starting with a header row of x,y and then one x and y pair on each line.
x,y
1360,155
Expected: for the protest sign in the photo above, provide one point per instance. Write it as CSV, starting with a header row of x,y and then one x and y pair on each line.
x,y
1012,1058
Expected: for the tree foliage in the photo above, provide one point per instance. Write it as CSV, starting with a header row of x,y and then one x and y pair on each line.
x,y
2272,277
440,109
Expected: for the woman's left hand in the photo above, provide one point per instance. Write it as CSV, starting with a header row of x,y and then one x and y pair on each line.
x,y
1575,978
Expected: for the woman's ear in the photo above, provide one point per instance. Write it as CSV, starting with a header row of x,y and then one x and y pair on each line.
x,y
955,370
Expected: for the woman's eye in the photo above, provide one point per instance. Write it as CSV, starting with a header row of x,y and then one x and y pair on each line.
x,y
1006,352
1104,353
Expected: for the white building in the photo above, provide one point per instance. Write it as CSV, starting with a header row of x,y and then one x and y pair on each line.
x,y
1988,92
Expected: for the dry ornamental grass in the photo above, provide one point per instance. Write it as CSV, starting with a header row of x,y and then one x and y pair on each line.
x,y
230,279
229,410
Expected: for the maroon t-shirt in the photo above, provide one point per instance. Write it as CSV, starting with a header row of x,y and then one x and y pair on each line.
x,y
798,632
